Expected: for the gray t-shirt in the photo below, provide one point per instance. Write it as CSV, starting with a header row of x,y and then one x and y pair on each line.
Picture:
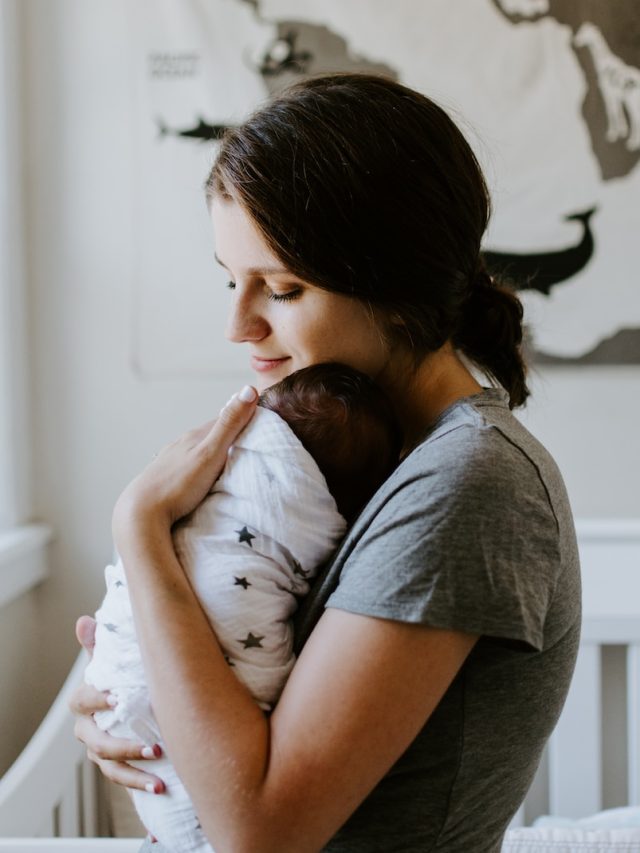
x,y
473,532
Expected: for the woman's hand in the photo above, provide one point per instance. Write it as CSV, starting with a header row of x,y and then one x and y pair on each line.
x,y
109,753
181,475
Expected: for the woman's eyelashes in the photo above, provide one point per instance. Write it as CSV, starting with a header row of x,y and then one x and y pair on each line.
x,y
275,295
284,297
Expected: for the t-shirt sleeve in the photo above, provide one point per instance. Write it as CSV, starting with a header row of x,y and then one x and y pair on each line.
x,y
468,541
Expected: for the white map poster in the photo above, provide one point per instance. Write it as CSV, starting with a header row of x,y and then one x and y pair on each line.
x,y
547,91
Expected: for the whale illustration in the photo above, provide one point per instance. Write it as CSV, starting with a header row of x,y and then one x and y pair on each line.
x,y
542,270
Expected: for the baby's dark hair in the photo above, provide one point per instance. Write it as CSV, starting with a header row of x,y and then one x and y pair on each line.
x,y
347,424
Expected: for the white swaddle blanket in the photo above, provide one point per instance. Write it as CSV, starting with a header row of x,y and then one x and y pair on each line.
x,y
249,551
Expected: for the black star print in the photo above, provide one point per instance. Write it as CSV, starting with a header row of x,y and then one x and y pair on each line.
x,y
243,582
111,627
118,583
298,570
251,642
245,536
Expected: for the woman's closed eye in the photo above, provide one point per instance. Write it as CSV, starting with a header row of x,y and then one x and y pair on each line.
x,y
276,296
284,297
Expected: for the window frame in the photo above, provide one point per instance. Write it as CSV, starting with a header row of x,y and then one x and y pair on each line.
x,y
23,545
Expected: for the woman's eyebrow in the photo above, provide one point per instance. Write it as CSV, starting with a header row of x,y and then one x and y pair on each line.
x,y
257,270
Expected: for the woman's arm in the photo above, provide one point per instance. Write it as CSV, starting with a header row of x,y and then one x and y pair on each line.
x,y
359,694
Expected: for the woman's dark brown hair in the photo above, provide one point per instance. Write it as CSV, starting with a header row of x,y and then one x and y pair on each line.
x,y
365,187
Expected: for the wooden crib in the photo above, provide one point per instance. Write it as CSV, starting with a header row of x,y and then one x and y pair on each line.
x,y
50,799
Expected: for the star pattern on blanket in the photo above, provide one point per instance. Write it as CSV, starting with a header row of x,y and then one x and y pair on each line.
x,y
118,583
252,642
271,477
243,582
111,627
245,536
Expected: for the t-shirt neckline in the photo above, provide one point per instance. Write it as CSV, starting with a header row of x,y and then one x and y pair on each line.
x,y
488,396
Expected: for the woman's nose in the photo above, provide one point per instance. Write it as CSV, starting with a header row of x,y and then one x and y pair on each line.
x,y
244,323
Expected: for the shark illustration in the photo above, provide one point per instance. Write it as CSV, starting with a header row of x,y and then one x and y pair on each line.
x,y
202,131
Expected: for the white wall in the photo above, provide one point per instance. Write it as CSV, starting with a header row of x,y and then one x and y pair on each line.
x,y
95,422
589,419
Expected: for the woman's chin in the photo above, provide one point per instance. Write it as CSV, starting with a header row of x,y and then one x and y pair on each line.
x,y
265,379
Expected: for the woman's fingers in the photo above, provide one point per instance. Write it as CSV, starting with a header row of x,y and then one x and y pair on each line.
x,y
181,475
86,633
105,746
125,774
111,753
86,700
233,418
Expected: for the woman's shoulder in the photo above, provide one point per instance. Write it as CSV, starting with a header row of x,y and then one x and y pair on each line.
x,y
479,479
477,513
471,532
478,445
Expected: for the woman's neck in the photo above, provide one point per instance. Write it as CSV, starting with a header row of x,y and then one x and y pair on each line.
x,y
420,395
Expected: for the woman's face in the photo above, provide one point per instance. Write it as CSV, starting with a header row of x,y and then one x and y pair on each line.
x,y
286,322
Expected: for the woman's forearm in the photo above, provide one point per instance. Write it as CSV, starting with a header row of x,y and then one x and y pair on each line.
x,y
350,708
216,735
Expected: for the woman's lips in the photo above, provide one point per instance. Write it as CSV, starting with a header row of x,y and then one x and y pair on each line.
x,y
262,365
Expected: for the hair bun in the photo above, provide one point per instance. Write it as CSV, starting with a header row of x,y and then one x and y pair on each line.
x,y
490,333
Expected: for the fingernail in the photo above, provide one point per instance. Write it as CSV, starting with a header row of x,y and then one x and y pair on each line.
x,y
147,752
154,787
157,750
248,394
111,700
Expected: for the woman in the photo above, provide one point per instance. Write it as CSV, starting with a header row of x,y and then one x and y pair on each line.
x,y
438,646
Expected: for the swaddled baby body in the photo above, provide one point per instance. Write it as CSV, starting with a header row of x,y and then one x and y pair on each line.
x,y
321,442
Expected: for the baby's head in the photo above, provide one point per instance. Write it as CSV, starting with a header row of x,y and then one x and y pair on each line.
x,y
345,421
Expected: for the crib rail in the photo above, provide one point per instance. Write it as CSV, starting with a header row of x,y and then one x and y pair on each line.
x,y
592,761
51,789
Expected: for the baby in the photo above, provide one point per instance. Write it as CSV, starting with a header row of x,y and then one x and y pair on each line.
x,y
321,442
